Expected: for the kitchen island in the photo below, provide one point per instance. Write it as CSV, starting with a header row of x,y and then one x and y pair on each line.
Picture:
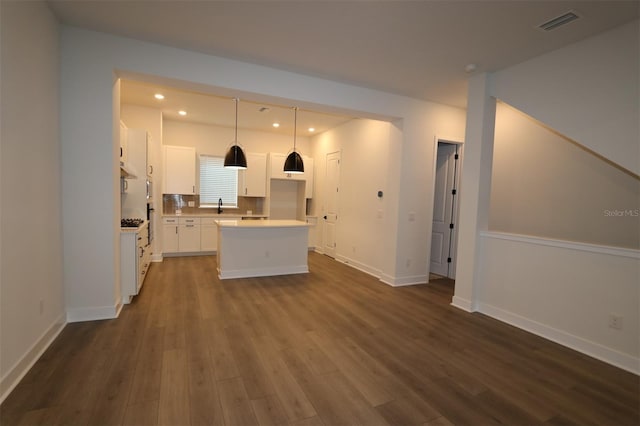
x,y
256,248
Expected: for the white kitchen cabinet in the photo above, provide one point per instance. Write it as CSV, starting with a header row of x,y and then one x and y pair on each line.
x,y
308,174
276,171
150,156
134,203
179,170
252,182
135,260
169,234
208,234
188,234
123,142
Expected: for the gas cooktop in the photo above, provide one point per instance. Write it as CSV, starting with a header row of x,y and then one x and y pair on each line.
x,y
131,223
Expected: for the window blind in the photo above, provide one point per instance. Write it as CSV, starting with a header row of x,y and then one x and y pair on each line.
x,y
217,182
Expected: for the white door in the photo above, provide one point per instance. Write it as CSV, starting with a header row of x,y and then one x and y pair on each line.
x,y
443,211
331,203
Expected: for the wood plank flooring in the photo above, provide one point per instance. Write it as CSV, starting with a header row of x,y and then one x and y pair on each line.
x,y
332,347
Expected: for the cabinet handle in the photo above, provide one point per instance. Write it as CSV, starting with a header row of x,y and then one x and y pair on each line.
x,y
190,226
194,189
151,169
245,191
176,229
120,151
126,184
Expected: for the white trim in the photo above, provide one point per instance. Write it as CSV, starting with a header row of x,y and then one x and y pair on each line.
x,y
464,304
156,257
93,314
263,272
404,281
564,244
24,364
595,350
374,272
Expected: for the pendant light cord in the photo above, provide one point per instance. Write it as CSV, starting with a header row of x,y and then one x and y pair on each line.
x,y
235,139
295,126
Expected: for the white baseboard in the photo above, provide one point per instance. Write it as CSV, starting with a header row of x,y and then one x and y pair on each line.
x,y
374,272
595,350
263,272
93,314
463,304
156,257
403,281
24,364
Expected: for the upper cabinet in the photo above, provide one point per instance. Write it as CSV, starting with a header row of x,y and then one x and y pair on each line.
x,y
276,171
179,170
123,143
252,182
150,157
308,173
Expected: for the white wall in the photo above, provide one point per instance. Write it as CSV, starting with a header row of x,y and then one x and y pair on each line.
x,y
565,294
89,60
364,146
215,140
31,290
587,91
545,185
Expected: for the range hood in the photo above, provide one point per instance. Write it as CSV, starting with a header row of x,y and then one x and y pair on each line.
x,y
126,171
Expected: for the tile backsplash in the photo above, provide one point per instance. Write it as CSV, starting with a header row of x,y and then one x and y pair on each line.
x,y
173,202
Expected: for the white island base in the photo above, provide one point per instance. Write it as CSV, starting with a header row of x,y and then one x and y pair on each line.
x,y
258,248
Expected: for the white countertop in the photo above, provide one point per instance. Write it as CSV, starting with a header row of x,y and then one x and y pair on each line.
x,y
214,215
267,223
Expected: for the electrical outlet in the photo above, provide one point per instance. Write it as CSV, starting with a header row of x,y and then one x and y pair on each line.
x,y
191,203
615,321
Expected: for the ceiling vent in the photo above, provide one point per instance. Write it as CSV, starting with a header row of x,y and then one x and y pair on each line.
x,y
559,21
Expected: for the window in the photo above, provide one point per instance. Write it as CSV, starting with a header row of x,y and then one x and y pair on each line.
x,y
217,182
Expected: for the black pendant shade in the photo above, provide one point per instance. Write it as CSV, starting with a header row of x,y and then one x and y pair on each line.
x,y
293,163
235,158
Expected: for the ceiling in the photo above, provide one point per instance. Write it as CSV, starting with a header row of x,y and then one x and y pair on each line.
x,y
414,48
220,111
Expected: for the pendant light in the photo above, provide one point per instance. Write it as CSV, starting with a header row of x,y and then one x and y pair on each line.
x,y
293,164
235,158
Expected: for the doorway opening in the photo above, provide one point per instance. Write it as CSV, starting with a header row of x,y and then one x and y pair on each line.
x,y
444,232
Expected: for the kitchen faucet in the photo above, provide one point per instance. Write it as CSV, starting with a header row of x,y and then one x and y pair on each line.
x,y
219,205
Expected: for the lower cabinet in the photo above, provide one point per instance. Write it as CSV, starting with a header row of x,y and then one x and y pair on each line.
x,y
188,234
135,260
208,234
169,234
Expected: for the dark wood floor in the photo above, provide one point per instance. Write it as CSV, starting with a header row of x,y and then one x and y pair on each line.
x,y
332,347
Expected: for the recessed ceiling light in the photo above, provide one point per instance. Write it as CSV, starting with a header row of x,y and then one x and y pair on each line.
x,y
181,112
276,125
159,96
470,68
312,129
